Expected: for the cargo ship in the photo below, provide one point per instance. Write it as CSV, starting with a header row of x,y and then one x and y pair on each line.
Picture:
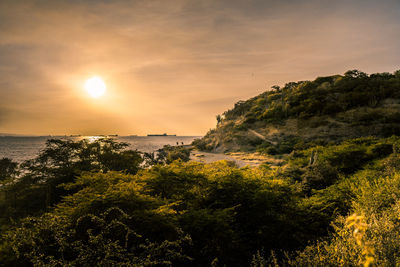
x,y
164,134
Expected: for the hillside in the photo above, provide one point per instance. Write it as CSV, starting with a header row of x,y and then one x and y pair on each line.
x,y
301,114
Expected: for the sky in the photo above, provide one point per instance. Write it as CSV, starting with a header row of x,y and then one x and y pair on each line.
x,y
173,65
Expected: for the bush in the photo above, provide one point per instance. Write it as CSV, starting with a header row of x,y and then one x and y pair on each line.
x,y
8,169
318,176
168,154
371,239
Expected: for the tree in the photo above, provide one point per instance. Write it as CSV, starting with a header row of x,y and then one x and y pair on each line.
x,y
61,162
8,169
276,87
219,119
355,74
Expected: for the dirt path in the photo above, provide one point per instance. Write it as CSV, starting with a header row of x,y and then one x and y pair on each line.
x,y
262,137
208,157
241,159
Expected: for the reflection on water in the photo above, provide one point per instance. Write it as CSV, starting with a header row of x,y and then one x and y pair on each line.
x,y
91,139
23,148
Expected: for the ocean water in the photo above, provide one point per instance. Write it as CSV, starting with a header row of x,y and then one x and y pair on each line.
x,y
23,148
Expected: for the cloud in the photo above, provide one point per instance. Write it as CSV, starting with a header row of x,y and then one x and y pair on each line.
x,y
169,61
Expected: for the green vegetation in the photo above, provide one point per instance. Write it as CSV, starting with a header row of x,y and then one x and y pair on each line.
x,y
167,154
332,202
198,214
328,109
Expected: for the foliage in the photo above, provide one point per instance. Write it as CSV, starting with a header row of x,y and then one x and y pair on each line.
x,y
167,154
8,169
370,236
169,214
216,214
107,239
83,203
38,186
342,106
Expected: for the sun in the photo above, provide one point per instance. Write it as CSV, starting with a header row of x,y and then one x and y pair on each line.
x,y
95,87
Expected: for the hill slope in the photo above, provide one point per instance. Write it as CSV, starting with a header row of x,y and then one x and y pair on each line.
x,y
301,114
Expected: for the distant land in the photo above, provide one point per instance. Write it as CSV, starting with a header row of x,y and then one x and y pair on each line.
x,y
11,134
80,135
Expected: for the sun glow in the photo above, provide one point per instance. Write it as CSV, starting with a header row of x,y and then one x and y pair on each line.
x,y
95,87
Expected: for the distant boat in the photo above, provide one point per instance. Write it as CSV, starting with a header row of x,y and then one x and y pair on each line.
x,y
164,134
113,135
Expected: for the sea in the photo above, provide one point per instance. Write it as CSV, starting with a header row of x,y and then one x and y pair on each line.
x,y
21,148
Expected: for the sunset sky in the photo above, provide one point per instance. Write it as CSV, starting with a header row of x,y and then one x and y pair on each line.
x,y
173,65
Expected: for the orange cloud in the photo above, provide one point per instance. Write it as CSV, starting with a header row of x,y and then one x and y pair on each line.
x,y
171,66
